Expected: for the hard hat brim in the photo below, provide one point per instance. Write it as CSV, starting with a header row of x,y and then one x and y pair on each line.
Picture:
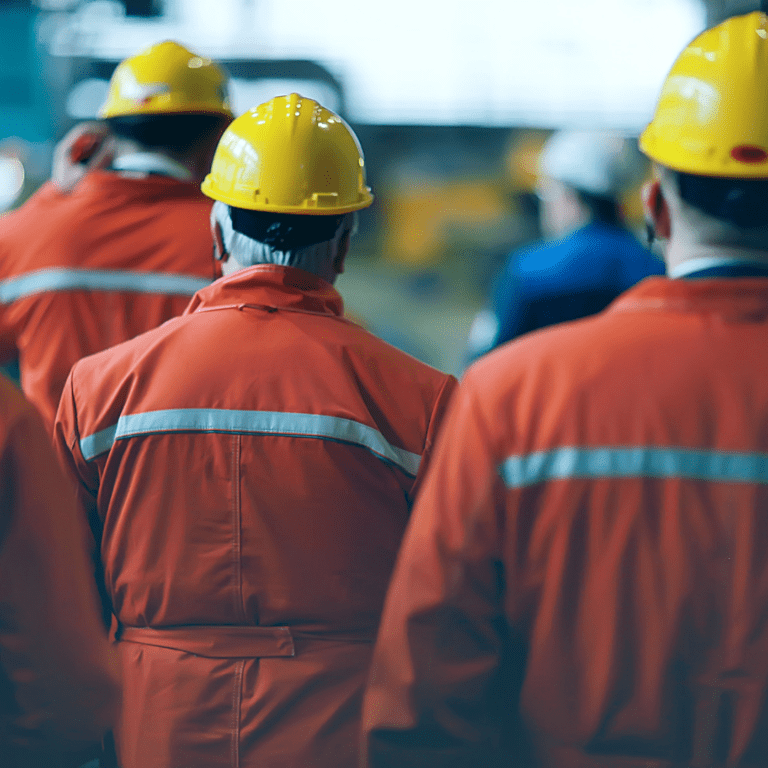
x,y
238,201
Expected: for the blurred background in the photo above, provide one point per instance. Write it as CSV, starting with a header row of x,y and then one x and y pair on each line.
x,y
451,102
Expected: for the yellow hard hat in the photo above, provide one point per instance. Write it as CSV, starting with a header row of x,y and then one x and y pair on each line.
x,y
166,78
289,155
712,115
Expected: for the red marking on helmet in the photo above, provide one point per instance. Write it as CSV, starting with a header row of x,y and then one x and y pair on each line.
x,y
748,154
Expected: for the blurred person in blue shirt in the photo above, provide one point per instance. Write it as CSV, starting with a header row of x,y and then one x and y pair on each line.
x,y
589,256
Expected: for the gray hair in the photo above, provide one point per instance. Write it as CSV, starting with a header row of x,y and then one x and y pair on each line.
x,y
312,258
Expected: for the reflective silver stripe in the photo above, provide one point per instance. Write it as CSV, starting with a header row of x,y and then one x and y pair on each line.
x,y
98,280
99,442
597,463
253,422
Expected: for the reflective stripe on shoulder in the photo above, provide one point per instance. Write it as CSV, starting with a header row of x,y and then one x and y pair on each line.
x,y
604,463
249,422
64,279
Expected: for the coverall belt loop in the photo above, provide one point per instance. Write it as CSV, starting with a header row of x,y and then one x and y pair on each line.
x,y
216,642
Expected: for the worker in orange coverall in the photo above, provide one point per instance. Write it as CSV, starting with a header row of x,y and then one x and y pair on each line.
x,y
127,248
584,581
59,690
248,470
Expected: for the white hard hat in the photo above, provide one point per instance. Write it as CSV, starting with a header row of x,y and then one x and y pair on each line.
x,y
597,162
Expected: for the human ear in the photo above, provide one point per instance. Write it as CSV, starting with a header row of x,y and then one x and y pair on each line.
x,y
219,251
656,209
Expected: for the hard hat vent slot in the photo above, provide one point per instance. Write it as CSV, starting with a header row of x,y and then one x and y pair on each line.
x,y
325,199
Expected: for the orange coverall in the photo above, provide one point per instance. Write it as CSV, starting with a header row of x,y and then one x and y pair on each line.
x,y
58,685
83,271
584,581
248,470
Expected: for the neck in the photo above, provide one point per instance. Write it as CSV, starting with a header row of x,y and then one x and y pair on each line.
x,y
561,211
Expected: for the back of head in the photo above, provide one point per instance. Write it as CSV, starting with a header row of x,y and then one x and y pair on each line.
x,y
710,128
167,97
286,176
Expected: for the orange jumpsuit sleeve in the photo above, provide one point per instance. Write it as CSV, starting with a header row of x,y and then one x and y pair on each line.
x,y
85,478
439,684
439,411
55,658
8,331
66,442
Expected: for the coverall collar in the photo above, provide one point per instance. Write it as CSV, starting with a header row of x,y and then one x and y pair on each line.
x,y
271,287
725,266
686,260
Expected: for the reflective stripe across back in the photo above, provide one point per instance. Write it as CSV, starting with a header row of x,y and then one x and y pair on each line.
x,y
309,425
66,279
648,461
